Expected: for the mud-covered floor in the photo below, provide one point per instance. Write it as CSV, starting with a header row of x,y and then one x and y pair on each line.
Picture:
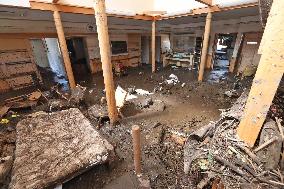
x,y
186,108
176,111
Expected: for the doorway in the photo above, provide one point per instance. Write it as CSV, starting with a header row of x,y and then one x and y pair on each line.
x,y
223,50
249,57
78,56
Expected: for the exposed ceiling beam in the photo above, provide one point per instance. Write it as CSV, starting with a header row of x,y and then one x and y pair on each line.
x,y
90,11
210,9
79,10
206,2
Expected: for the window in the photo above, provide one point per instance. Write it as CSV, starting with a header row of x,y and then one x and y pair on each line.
x,y
118,47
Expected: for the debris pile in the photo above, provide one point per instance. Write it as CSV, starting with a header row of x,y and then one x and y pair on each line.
x,y
214,154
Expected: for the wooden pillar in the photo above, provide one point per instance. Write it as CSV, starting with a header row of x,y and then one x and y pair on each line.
x,y
153,46
235,53
64,50
104,43
205,46
268,76
137,149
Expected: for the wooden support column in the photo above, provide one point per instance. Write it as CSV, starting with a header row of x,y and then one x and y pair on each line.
x,y
153,45
268,75
205,46
104,44
235,53
64,50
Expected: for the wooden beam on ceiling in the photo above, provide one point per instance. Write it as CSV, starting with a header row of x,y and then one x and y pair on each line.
x,y
206,2
211,9
35,5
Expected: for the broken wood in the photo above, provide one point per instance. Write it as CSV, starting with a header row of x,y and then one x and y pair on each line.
x,y
230,165
267,78
250,154
4,110
104,44
63,48
205,45
278,122
265,144
35,96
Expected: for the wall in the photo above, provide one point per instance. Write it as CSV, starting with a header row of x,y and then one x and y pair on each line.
x,y
131,58
183,42
17,66
242,25
54,56
249,57
165,43
39,52
145,51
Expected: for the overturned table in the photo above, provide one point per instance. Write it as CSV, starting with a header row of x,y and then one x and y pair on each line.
x,y
54,147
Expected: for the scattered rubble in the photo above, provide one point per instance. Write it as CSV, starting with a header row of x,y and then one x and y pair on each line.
x,y
214,151
173,79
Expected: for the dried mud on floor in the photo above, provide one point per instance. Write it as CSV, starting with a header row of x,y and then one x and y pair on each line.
x,y
175,112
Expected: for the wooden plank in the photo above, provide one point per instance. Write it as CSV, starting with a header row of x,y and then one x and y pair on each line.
x,y
205,46
269,73
212,9
206,2
78,10
104,43
64,50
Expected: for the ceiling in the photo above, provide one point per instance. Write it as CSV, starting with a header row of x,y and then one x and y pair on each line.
x,y
132,7
19,19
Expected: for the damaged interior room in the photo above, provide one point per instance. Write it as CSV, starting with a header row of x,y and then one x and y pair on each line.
x,y
140,94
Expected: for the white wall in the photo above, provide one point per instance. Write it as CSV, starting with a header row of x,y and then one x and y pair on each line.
x,y
165,43
54,56
39,52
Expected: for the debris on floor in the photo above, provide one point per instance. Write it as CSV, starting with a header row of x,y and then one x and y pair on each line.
x,y
54,147
216,150
167,117
173,79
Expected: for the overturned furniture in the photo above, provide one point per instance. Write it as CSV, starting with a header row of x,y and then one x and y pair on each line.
x,y
54,147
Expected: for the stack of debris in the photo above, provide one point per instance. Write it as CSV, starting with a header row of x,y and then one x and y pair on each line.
x,y
215,157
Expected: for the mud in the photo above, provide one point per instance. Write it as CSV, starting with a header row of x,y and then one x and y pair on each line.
x,y
186,107
177,111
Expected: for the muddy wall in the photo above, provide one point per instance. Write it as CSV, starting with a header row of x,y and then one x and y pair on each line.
x,y
131,58
17,66
183,42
